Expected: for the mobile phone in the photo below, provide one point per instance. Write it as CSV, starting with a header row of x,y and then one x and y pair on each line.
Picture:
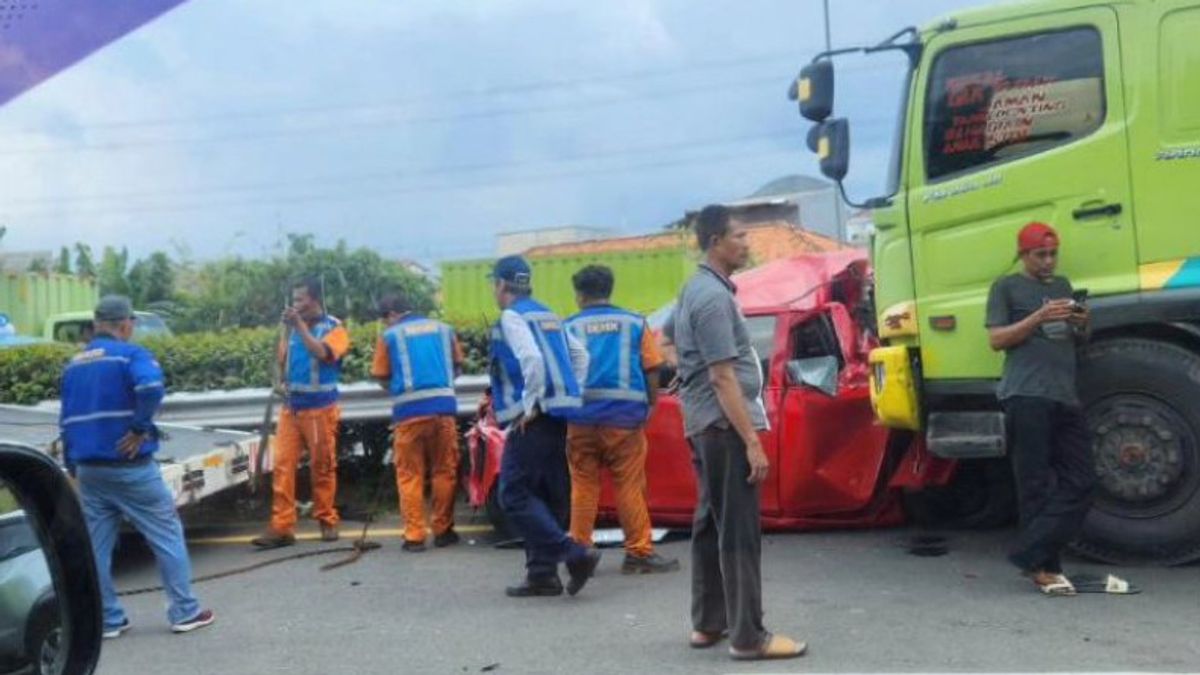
x,y
1079,298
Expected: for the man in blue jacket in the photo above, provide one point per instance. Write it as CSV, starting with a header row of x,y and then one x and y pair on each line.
x,y
110,392
536,368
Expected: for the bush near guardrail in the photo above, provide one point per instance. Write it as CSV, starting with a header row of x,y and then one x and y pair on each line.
x,y
203,361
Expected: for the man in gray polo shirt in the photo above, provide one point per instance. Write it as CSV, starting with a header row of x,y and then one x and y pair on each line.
x,y
721,387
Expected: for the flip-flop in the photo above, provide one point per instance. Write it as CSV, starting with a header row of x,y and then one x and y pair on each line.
x,y
775,647
1061,586
1110,584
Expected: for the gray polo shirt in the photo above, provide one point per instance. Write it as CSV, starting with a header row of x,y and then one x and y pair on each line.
x,y
1044,365
708,327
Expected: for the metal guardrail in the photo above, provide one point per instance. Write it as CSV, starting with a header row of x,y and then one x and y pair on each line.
x,y
243,408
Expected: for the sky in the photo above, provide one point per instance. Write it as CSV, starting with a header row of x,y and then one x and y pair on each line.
x,y
423,128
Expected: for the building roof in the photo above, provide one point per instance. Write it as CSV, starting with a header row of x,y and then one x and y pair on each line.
x,y
767,242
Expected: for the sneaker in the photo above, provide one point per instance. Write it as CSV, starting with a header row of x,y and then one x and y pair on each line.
x,y
329,533
547,587
111,632
272,540
413,546
447,538
648,564
204,618
581,570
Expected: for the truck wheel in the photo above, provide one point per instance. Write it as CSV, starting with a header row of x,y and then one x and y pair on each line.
x,y
1140,399
45,648
980,497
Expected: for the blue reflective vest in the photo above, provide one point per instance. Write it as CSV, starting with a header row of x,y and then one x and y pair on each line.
x,y
422,362
312,382
615,391
561,393
109,389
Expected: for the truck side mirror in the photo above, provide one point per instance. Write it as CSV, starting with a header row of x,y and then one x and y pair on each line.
x,y
833,148
813,89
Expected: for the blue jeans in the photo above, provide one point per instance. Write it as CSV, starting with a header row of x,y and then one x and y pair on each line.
x,y
535,492
138,494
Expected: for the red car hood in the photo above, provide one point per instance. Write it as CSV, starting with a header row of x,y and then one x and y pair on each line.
x,y
798,282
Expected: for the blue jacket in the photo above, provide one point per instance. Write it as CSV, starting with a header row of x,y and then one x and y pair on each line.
x,y
421,355
560,391
109,389
312,382
615,391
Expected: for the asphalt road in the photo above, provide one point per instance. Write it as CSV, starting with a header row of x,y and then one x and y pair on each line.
x,y
861,599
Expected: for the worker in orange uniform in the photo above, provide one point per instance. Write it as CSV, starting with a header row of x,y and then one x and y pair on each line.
x,y
312,358
416,360
608,431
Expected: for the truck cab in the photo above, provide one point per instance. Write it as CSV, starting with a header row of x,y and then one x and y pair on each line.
x,y
1084,115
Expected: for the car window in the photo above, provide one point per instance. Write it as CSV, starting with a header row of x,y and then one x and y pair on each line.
x,y
990,102
72,331
149,325
761,330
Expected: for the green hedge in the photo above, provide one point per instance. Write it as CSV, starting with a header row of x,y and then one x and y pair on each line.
x,y
202,361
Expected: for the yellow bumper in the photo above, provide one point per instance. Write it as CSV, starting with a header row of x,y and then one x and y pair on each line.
x,y
894,388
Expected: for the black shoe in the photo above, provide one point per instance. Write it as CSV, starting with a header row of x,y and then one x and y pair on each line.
x,y
413,546
547,587
447,538
581,570
273,540
648,564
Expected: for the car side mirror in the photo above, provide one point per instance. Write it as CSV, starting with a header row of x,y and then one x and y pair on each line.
x,y
833,148
818,372
813,90
50,619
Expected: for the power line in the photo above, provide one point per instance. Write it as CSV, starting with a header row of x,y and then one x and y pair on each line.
x,y
343,178
412,189
252,136
496,90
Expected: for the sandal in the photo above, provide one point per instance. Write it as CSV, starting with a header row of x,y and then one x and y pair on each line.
x,y
774,647
1054,585
703,640
1110,584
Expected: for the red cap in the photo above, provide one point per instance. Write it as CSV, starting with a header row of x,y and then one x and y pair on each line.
x,y
1036,235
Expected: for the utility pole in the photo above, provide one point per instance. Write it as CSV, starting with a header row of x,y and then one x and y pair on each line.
x,y
828,38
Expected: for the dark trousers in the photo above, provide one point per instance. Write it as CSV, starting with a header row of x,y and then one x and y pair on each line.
x,y
1052,462
726,541
535,492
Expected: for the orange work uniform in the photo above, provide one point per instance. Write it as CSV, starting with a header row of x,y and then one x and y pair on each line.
x,y
617,444
309,422
417,358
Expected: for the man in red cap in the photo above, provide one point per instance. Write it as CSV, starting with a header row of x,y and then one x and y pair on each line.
x,y
1034,319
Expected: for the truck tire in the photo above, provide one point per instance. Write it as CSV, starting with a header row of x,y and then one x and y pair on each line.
x,y
980,497
44,645
1140,397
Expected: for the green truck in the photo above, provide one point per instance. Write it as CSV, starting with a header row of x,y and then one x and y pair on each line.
x,y
1085,115
646,280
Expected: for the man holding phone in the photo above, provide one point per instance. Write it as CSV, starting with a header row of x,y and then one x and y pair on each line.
x,y
1037,319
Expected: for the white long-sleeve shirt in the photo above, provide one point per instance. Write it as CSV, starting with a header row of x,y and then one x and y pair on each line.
x,y
533,369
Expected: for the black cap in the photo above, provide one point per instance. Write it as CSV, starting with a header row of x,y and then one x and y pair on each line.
x,y
114,308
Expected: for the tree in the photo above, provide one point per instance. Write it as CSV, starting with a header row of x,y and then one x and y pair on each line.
x,y
63,266
39,265
112,276
85,265
152,280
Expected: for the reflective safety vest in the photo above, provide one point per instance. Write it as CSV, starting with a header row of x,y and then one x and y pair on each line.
x,y
109,389
560,394
422,361
312,382
615,391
